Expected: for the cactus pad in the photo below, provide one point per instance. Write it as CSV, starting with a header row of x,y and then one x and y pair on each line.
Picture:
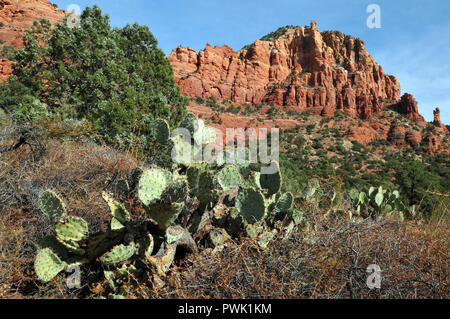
x,y
48,265
52,205
165,213
161,131
250,204
120,216
72,229
229,177
209,135
118,254
270,183
284,203
152,184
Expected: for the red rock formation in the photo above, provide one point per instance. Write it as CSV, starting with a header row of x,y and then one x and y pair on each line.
x,y
437,121
408,107
297,68
17,16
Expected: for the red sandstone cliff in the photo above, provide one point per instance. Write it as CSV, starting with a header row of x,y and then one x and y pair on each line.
x,y
297,68
17,16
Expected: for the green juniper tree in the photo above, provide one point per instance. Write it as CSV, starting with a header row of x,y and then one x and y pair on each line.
x,y
115,78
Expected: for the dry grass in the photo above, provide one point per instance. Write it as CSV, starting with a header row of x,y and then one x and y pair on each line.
x,y
329,263
78,171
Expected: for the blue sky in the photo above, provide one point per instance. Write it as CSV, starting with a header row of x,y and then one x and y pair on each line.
x,y
413,42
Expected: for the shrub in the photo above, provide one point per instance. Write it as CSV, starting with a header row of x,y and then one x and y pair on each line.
x,y
117,78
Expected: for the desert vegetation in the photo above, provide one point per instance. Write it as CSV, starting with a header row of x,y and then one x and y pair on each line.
x,y
88,181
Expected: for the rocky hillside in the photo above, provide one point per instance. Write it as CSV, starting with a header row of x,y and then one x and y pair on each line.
x,y
17,16
298,68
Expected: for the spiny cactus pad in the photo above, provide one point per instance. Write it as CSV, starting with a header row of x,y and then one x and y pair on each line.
x,y
250,204
120,216
48,265
52,243
174,234
270,183
161,131
118,254
164,213
51,205
152,184
72,229
284,203
175,191
229,177
201,185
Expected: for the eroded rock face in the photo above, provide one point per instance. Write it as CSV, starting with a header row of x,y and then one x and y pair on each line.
x,y
17,16
296,68
408,107
437,121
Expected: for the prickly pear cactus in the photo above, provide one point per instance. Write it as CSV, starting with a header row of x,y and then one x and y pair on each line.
x,y
72,229
120,216
250,204
165,213
201,185
161,131
284,203
229,177
48,265
175,191
52,206
118,254
152,184
270,183
174,234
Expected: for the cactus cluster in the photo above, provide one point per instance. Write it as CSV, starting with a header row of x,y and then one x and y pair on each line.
x,y
377,201
214,202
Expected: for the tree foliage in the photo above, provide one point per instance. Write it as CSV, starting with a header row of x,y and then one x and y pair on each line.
x,y
116,78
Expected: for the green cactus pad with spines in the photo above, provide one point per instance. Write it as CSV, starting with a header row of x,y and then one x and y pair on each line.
x,y
100,244
152,184
165,214
266,237
284,203
52,205
201,185
71,246
120,216
72,229
235,222
52,243
250,204
48,265
175,191
270,183
118,254
161,131
174,234
183,151
229,177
